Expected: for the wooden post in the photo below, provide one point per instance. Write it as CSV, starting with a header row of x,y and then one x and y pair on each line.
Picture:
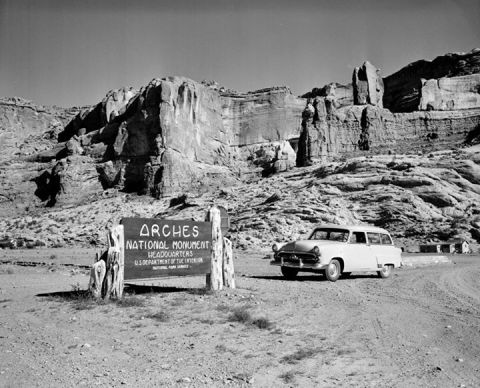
x,y
107,273
228,269
215,278
97,275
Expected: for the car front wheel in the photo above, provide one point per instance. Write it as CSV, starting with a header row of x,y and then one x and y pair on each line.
x,y
333,271
385,272
289,273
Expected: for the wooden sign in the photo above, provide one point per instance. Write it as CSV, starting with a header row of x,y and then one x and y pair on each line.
x,y
155,248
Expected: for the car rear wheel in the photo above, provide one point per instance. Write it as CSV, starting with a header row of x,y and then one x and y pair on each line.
x,y
333,271
386,271
289,273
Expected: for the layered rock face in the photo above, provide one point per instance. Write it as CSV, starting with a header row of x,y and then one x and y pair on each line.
x,y
446,112
175,135
27,128
355,129
261,116
28,143
450,93
413,87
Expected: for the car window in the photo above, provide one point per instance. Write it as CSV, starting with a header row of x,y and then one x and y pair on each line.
x,y
358,238
386,240
330,234
374,238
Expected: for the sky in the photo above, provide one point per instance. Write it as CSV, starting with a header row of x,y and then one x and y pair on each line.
x,y
71,53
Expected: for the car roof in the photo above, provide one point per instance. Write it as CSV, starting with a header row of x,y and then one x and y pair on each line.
x,y
354,228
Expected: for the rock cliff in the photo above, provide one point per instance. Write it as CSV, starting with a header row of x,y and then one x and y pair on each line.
x,y
176,136
425,85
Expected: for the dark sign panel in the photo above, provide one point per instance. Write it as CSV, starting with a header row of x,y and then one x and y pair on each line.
x,y
156,248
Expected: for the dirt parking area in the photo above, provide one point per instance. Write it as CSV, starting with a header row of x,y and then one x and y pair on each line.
x,y
420,327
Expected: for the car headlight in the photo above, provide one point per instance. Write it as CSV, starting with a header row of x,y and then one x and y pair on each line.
x,y
275,247
316,250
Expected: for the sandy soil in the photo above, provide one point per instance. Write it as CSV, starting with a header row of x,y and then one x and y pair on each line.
x,y
420,328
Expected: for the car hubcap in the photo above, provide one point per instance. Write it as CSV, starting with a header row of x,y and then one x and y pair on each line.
x,y
332,269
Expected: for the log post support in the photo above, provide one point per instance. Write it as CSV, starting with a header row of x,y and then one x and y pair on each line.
x,y
215,277
228,269
107,273
222,273
97,275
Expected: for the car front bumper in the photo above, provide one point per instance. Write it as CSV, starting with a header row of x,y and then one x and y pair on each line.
x,y
300,264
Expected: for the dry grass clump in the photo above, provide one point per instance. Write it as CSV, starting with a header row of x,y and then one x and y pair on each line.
x,y
160,316
289,376
300,355
242,314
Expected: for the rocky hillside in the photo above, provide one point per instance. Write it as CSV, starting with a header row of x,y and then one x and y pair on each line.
x,y
176,146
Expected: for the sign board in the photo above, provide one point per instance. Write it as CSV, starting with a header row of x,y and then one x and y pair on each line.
x,y
155,248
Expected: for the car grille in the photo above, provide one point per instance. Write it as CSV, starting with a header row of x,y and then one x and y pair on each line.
x,y
290,257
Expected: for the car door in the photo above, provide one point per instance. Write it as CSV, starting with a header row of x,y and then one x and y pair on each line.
x,y
358,255
378,250
387,252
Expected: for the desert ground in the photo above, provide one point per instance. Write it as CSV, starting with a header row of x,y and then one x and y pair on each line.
x,y
418,328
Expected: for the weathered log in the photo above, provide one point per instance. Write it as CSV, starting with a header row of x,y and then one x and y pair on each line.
x,y
106,275
215,278
228,268
97,275
113,278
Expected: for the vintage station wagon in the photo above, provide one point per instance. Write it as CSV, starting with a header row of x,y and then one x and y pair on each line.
x,y
336,250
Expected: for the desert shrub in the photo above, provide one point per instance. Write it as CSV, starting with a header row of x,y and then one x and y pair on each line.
x,y
160,316
288,377
240,314
262,323
300,355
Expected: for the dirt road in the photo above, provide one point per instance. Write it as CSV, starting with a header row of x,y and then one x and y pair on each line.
x,y
421,328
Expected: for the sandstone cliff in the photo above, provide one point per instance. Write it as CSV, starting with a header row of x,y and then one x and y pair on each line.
x,y
172,136
448,82
178,137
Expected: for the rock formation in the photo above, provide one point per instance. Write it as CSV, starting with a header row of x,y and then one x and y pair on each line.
x,y
457,73
367,85
446,114
178,137
450,93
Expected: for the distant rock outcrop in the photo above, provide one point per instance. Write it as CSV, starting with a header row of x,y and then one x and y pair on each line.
x,y
367,85
446,83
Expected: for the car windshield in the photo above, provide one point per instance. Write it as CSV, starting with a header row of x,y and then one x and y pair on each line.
x,y
330,234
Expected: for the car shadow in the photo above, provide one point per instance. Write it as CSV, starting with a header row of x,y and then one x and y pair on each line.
x,y
309,278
